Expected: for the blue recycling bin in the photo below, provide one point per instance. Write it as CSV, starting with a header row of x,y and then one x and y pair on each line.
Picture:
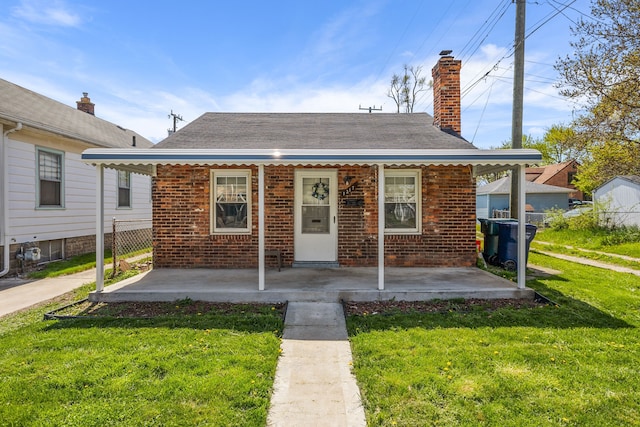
x,y
508,243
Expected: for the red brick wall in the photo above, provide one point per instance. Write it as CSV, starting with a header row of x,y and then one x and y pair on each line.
x,y
448,222
278,212
181,229
182,237
358,225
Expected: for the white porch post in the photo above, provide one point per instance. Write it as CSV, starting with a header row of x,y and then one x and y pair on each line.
x,y
381,226
261,269
522,231
100,228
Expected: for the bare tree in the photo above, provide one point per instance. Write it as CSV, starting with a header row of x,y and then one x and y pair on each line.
x,y
404,90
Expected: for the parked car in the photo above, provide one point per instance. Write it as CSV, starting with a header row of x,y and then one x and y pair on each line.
x,y
578,210
576,202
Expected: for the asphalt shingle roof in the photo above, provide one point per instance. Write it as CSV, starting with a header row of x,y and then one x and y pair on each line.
x,y
313,131
503,186
32,109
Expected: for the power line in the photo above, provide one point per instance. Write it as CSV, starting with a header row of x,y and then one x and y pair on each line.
x,y
482,113
442,33
509,53
493,24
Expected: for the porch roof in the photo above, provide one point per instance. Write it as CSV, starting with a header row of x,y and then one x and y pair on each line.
x,y
144,160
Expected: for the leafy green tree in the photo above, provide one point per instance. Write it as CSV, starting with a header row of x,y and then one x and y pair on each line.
x,y
603,77
607,160
559,144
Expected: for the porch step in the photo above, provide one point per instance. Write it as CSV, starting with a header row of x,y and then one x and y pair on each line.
x,y
315,264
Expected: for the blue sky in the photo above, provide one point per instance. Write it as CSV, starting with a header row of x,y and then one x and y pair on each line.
x,y
139,60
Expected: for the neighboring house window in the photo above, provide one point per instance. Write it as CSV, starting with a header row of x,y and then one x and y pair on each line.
x,y
124,189
570,177
402,201
50,178
231,200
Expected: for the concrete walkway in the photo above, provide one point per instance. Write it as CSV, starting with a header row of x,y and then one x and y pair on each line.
x,y
314,385
609,254
591,262
17,294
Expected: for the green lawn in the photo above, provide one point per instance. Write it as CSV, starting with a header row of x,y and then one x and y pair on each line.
x,y
204,368
576,363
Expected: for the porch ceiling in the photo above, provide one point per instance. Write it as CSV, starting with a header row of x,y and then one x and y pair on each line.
x,y
145,160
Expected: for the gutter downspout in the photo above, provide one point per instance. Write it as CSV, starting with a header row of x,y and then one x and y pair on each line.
x,y
5,197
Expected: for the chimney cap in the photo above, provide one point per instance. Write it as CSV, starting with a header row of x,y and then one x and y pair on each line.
x,y
445,52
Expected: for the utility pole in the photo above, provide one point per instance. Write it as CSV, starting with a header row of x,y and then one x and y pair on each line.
x,y
176,118
370,108
518,89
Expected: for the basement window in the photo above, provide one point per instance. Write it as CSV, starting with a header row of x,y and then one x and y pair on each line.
x,y
231,200
51,250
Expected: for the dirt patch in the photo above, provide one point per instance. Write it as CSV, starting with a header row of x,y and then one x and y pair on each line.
x,y
439,306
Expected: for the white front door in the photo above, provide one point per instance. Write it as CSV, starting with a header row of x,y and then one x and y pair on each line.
x,y
315,221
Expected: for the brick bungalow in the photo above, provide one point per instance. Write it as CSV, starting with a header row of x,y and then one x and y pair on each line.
x,y
232,189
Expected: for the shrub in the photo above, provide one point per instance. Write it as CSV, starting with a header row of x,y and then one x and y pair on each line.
x,y
556,220
586,220
622,235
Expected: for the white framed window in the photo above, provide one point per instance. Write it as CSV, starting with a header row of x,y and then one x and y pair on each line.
x,y
124,189
231,201
402,196
50,164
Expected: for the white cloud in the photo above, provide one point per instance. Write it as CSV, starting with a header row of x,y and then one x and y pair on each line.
x,y
54,13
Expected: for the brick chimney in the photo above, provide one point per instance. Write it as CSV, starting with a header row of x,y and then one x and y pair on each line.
x,y
85,104
446,92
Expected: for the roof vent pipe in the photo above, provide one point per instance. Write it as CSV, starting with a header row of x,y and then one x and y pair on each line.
x,y
133,142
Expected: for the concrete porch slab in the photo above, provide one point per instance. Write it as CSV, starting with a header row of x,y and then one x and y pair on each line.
x,y
311,285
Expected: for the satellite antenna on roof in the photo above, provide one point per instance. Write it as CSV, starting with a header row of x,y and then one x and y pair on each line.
x,y
176,118
370,108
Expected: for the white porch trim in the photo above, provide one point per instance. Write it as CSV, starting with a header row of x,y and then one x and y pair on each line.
x,y
380,226
261,234
99,228
522,229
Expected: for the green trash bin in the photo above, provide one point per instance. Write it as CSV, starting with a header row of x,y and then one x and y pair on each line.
x,y
491,231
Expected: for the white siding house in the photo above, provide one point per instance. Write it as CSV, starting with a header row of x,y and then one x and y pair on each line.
x,y
620,197
540,197
48,193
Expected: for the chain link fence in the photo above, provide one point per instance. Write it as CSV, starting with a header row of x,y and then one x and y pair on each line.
x,y
131,238
537,218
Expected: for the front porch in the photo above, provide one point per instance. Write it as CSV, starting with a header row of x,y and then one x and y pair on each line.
x,y
311,284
